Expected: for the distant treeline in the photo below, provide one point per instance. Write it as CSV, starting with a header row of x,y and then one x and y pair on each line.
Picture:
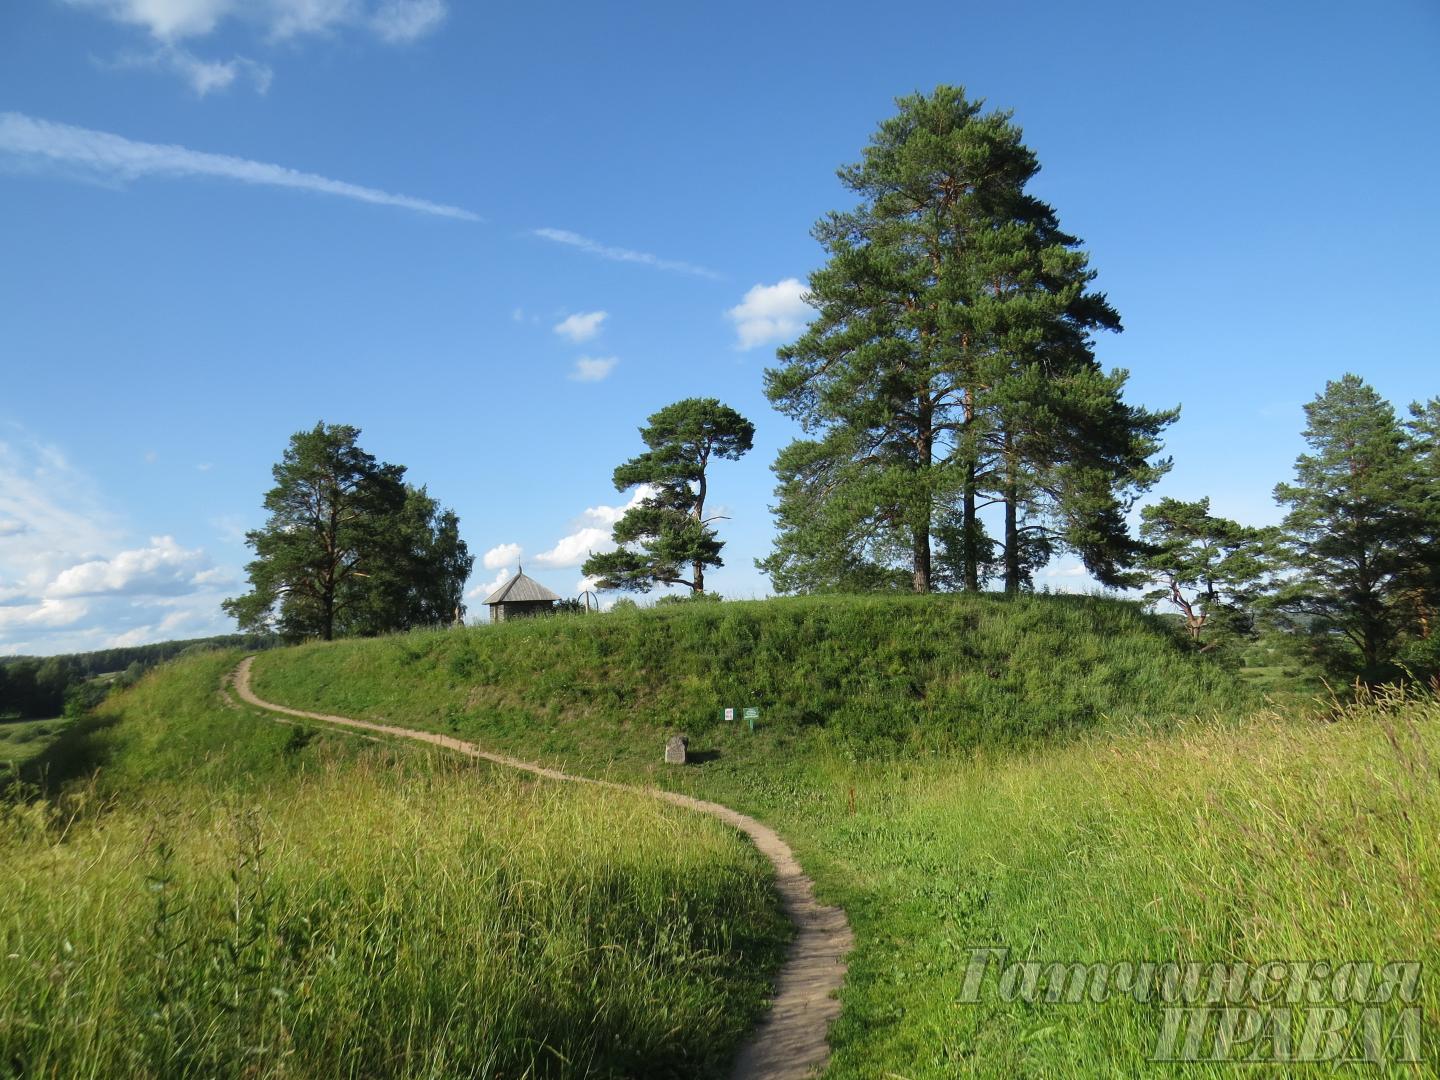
x,y
32,686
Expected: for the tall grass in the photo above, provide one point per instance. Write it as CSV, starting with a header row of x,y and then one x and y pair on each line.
x,y
1050,776
230,897
1306,839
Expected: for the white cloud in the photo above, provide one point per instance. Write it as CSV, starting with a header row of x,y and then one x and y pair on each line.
x,y
168,20
480,592
118,158
67,579
590,532
1071,571
581,326
502,555
771,313
163,568
609,515
619,254
48,614
574,549
593,368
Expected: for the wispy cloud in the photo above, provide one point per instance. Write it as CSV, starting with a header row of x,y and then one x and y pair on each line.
x,y
169,22
619,254
69,581
204,76
593,368
172,20
406,20
118,158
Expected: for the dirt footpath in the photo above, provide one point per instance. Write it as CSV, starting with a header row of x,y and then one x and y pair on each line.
x,y
790,1042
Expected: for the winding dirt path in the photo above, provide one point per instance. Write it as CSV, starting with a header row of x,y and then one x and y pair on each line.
x,y
790,1042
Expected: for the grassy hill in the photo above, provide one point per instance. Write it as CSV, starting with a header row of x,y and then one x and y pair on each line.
x,y
874,674
220,895
1053,776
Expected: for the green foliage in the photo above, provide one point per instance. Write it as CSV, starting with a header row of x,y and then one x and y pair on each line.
x,y
668,531
349,548
1422,585
1358,533
1207,567
30,686
232,897
418,578
950,364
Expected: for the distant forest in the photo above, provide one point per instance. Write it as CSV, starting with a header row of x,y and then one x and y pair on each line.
x,y
42,687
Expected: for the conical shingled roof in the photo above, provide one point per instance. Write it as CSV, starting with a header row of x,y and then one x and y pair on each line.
x,y
520,589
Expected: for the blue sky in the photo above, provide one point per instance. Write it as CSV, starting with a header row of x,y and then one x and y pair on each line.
x,y
223,221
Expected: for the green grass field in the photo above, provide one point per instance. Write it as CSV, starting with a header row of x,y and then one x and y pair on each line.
x,y
1105,797
227,896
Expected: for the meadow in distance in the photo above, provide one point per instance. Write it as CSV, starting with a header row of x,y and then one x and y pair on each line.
x,y
1227,760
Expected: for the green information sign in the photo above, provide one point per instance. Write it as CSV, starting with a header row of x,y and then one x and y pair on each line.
x,y
751,715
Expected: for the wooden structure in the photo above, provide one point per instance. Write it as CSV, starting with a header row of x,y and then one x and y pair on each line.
x,y
519,598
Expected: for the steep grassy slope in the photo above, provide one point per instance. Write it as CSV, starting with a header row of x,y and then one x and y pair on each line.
x,y
228,896
912,673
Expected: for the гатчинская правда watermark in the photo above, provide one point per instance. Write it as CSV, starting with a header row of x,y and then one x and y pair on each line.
x,y
1345,1012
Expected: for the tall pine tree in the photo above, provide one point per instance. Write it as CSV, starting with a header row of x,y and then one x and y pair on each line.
x,y
950,367
669,532
349,547
1354,531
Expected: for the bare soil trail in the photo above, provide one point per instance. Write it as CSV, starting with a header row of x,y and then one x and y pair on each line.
x,y
790,1042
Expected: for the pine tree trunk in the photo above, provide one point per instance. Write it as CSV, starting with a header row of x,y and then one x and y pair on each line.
x,y
970,534
698,577
921,579
1012,525
1012,543
925,445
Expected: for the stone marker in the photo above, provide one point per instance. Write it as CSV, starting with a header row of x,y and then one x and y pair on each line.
x,y
675,750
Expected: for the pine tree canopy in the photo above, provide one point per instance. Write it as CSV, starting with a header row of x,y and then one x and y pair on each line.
x,y
668,532
349,547
950,368
1355,530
